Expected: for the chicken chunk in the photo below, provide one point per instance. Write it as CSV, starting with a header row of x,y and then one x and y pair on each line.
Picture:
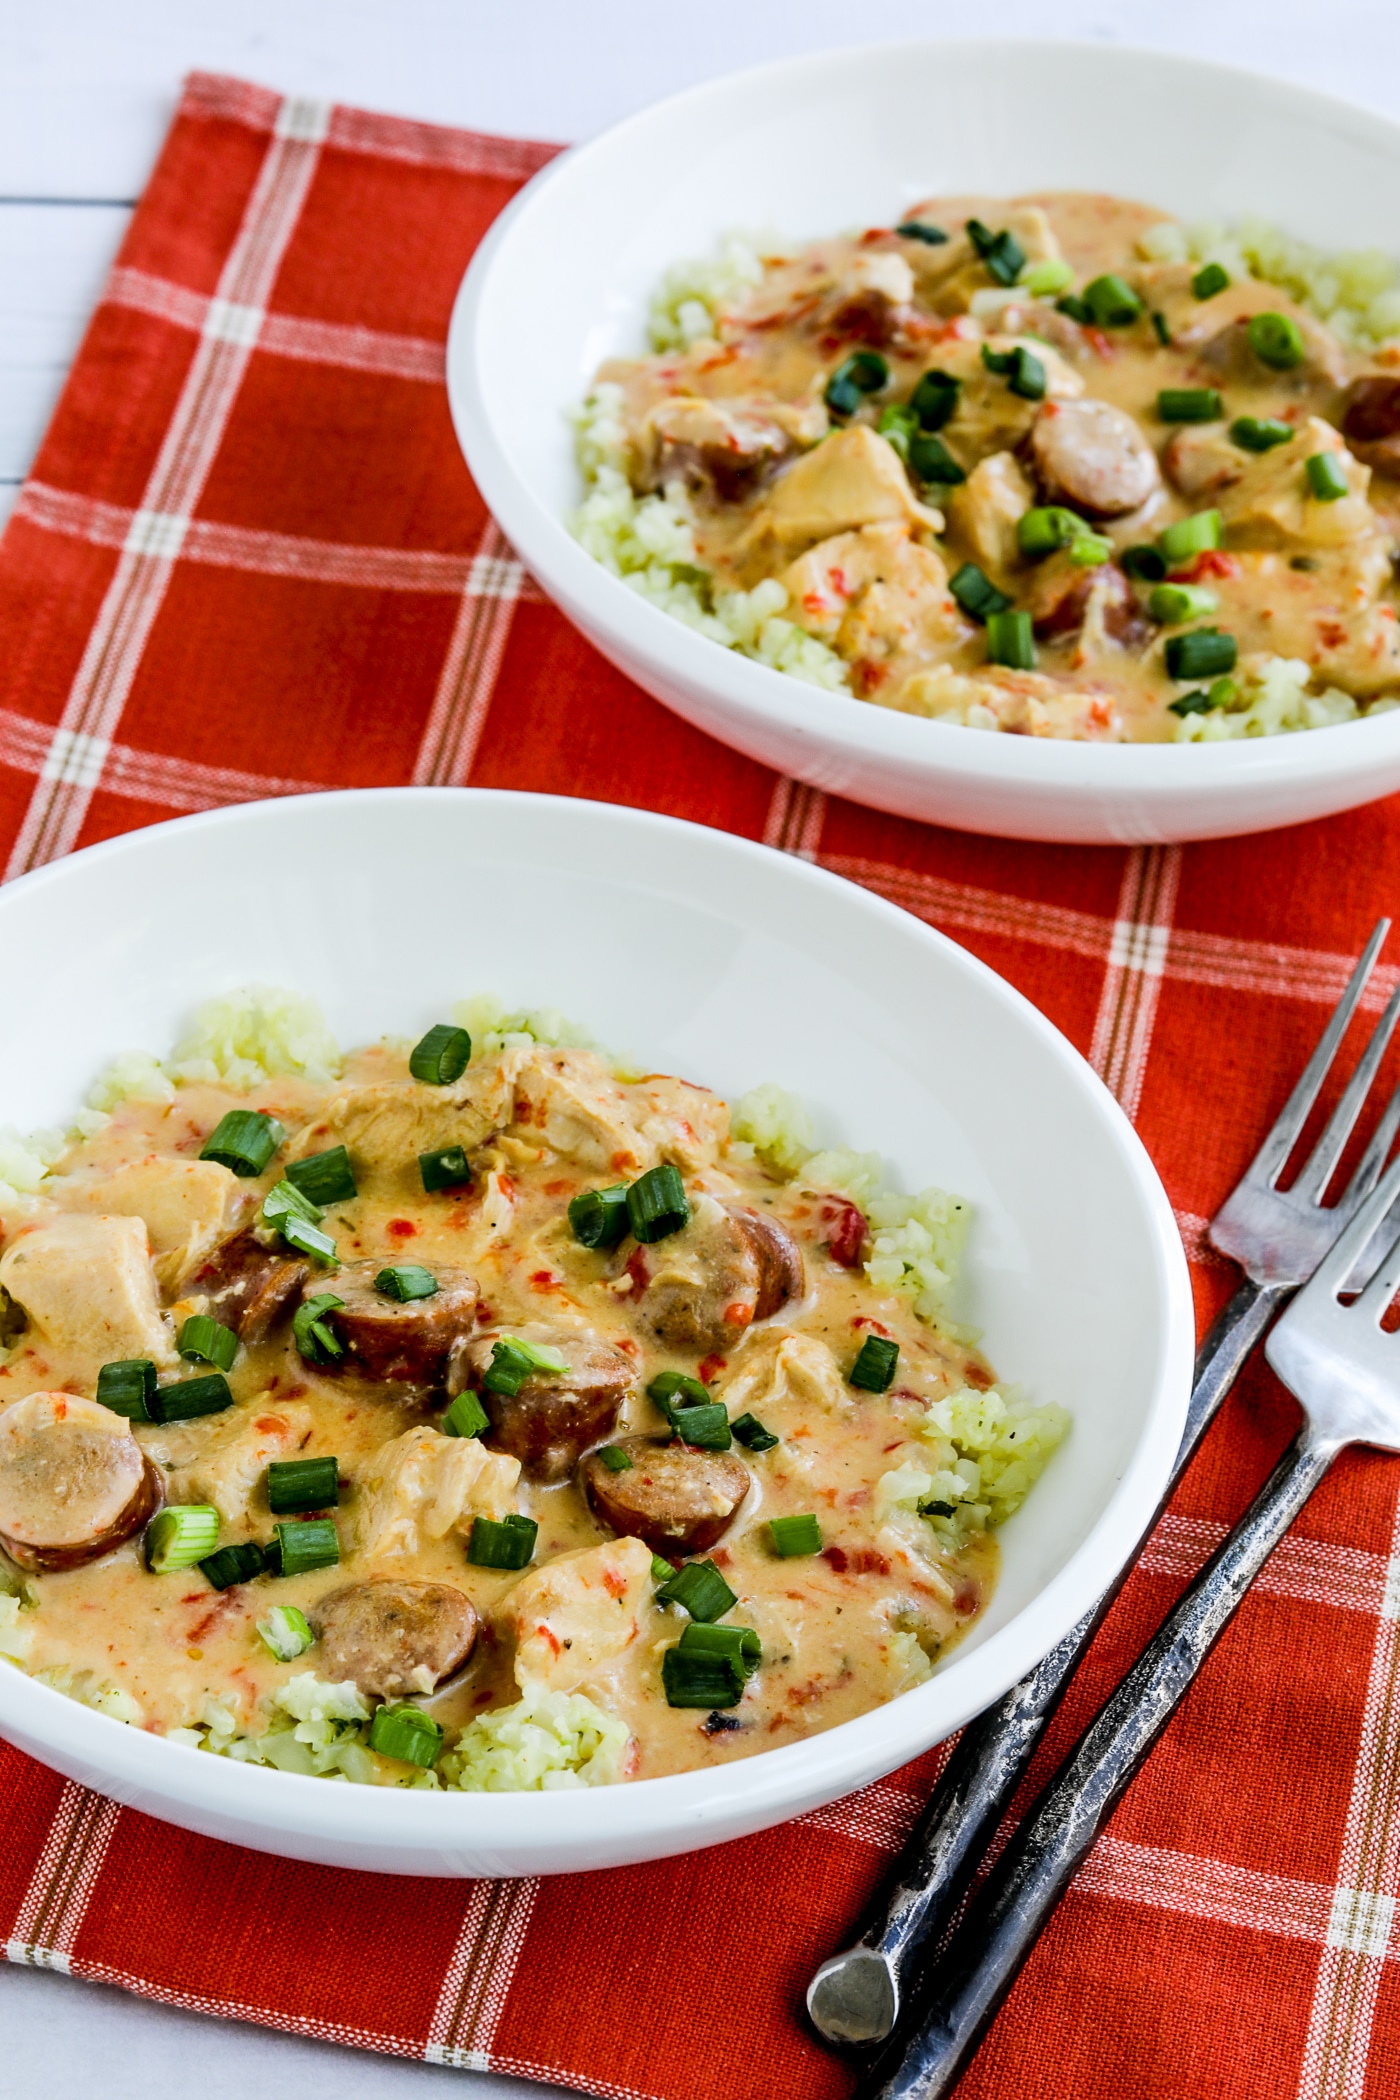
x,y
684,1123
385,1126
88,1288
223,1458
568,1100
1200,460
1021,703
991,416
783,1366
948,277
419,1485
1272,505
853,478
987,509
577,1614
875,597
74,1482
186,1205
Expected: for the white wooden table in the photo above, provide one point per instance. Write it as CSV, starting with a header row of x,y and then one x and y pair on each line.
x,y
86,91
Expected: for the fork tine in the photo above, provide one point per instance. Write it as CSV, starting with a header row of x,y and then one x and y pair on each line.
x,y
1317,1172
1377,1152
1269,1161
1335,1268
1385,1283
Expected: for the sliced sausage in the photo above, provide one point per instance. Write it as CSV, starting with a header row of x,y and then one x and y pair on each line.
x,y
1093,457
675,1499
703,1286
74,1482
553,1419
1371,420
249,1287
392,1638
1061,595
397,1343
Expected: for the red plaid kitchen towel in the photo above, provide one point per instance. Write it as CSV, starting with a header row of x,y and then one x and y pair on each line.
x,y
249,562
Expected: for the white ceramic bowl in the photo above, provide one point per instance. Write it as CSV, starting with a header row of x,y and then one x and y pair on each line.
x,y
812,145
696,952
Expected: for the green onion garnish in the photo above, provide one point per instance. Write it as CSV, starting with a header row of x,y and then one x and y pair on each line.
x,y
442,1056
179,1536
920,230
312,1544
1212,277
701,1680
1002,253
670,1386
1044,278
1075,308
1189,404
873,1369
206,1340
1146,563
1204,653
1189,536
1043,530
1221,693
750,1432
302,1483
126,1387
614,1458
700,1589
285,1632
446,1169
324,1177
661,1570
233,1564
405,1281
900,425
312,1331
513,1361
1021,368
285,1200
976,593
509,1544
863,372
1011,640
465,1417
1161,330
794,1537
407,1733
1112,303
1260,433
308,1239
740,1643
1090,551
1277,341
1173,602
244,1141
189,1397
1326,480
707,1427
598,1217
931,461
656,1205
935,399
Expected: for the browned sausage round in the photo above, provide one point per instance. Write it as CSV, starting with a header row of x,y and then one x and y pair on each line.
x,y
74,1482
394,1343
392,1638
703,1286
1371,421
675,1499
552,1420
1092,456
249,1286
1060,595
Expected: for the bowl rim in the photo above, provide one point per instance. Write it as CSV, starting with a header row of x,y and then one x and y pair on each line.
x,y
678,1811
631,631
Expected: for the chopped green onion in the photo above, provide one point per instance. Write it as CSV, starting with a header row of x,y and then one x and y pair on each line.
x,y
661,1570
445,1169
700,1589
873,1369
701,1680
309,1239
863,372
1260,433
126,1387
1277,341
900,425
669,1386
1002,253
405,1281
1212,277
740,1643
285,1200
1204,653
295,1484
315,1337
233,1564
656,1204
285,1632
1112,302
465,1417
326,1177
614,1458
1043,278
407,1733
1042,530
513,1361
442,1056
976,593
1021,368
598,1218
1161,330
205,1339
1189,536
1189,404
794,1537
1076,309
707,1427
1011,640
1090,551
244,1141
750,1432
509,1544
1173,602
920,230
1326,480
302,1547
935,399
189,1397
1221,693
1146,563
930,460
179,1536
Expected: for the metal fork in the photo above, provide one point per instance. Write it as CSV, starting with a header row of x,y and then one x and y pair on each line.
x,y
1345,1370
1278,1237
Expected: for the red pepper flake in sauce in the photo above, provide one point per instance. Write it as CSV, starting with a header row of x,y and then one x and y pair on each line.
x,y
836,1558
545,1280
401,1229
844,1231
637,1269
710,1368
875,1326
1211,561
560,1188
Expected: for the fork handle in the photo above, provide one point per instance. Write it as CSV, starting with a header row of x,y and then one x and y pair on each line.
x,y
1045,1853
858,1996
